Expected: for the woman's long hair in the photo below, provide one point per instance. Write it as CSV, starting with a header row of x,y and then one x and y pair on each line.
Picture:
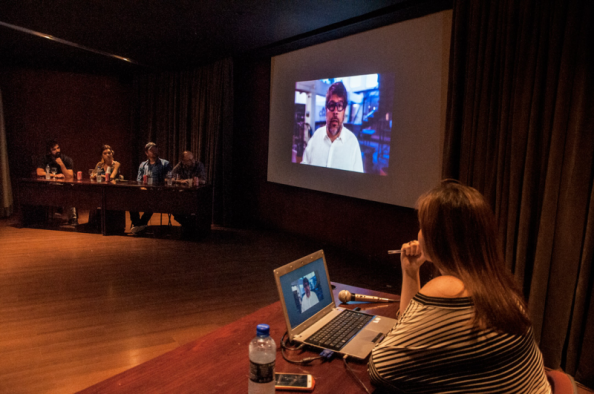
x,y
103,148
460,234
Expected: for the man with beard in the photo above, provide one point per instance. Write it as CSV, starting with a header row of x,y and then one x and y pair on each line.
x,y
55,159
334,145
63,165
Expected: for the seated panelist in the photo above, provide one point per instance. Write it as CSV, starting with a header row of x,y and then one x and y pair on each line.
x,y
468,330
59,163
107,164
61,167
189,168
156,168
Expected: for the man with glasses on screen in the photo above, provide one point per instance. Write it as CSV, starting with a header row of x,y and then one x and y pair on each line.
x,y
309,298
334,145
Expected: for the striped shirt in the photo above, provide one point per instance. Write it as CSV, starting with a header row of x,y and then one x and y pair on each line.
x,y
433,348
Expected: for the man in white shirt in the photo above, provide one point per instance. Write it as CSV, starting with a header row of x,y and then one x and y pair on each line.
x,y
309,299
333,145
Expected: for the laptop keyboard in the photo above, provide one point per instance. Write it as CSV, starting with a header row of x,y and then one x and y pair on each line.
x,y
339,330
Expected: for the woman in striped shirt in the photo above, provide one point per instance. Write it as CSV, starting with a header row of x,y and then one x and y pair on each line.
x,y
467,330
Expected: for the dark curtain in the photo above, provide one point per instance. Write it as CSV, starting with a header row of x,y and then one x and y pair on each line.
x,y
520,128
190,110
6,198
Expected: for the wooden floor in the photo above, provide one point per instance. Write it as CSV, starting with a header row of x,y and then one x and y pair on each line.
x,y
77,308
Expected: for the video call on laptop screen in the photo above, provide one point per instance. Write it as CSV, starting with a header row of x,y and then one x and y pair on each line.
x,y
306,291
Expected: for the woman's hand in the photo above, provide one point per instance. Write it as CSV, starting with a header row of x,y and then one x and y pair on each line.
x,y
411,257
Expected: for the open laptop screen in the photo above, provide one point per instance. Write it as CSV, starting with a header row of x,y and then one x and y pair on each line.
x,y
306,291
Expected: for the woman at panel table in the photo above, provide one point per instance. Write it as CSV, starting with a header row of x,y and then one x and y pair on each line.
x,y
106,164
466,331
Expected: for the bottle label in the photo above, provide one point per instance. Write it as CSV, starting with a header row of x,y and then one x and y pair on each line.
x,y
261,373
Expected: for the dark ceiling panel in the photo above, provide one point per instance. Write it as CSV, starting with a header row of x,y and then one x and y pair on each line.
x,y
160,34
24,50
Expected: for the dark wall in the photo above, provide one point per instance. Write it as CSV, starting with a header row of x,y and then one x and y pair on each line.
x,y
363,227
82,111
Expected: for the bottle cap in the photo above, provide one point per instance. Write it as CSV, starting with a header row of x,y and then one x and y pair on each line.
x,y
263,330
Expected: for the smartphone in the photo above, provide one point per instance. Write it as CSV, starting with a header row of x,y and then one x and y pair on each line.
x,y
294,381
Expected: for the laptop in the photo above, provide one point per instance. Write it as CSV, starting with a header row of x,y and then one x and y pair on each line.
x,y
308,305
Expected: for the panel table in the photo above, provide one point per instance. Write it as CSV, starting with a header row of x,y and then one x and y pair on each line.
x,y
112,197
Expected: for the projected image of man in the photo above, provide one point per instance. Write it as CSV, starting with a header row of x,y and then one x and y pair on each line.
x,y
310,298
333,145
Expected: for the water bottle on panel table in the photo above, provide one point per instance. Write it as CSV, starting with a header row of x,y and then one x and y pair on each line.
x,y
262,358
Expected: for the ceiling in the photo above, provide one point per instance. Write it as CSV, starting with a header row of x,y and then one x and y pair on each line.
x,y
166,35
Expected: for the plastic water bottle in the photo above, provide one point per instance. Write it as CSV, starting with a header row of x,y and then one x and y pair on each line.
x,y
47,172
99,172
262,359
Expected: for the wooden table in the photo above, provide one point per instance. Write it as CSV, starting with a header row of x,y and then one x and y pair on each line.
x,y
219,363
114,196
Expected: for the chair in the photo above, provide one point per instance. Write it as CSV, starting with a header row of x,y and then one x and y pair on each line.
x,y
561,383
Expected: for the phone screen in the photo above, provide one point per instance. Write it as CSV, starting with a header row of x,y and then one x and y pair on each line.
x,y
290,380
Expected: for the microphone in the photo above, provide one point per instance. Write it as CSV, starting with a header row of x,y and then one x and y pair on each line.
x,y
346,296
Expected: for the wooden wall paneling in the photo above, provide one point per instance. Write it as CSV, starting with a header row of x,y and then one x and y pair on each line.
x,y
81,111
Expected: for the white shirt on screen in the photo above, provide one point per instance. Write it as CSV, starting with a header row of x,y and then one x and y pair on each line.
x,y
343,154
308,302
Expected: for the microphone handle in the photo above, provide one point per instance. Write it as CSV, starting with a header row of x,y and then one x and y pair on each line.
x,y
368,298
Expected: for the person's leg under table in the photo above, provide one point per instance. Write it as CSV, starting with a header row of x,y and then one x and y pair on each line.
x,y
146,217
138,223
72,216
135,218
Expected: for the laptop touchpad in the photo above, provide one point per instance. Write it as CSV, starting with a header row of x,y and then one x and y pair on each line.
x,y
367,335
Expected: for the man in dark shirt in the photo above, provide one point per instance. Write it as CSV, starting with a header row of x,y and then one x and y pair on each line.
x,y
188,169
63,166
55,159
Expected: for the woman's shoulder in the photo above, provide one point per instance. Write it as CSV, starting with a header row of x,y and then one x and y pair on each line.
x,y
445,286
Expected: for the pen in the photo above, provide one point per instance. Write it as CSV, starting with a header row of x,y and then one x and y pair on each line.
x,y
394,251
